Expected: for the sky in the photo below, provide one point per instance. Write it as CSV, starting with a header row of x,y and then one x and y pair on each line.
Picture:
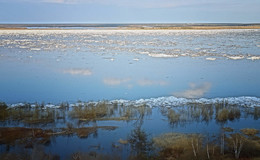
x,y
129,11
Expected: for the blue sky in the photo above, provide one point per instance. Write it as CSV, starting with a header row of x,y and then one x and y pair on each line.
x,y
129,11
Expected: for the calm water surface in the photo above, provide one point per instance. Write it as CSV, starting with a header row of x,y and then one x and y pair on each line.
x,y
70,65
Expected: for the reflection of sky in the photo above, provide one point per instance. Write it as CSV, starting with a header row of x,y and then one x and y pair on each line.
x,y
55,76
148,82
79,71
115,81
195,91
131,82
97,78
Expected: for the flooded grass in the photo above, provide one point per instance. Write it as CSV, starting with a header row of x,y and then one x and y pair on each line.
x,y
89,111
104,112
28,114
173,117
40,125
178,146
10,135
140,143
85,132
204,113
24,135
121,141
228,114
37,152
194,146
3,111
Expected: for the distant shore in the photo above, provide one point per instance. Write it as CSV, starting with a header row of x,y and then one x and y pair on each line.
x,y
178,26
192,28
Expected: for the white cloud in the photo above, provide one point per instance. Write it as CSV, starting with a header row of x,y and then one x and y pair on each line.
x,y
195,91
115,81
81,71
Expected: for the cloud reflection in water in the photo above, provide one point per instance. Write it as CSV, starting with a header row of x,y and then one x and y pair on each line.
x,y
115,81
148,82
195,91
142,82
78,71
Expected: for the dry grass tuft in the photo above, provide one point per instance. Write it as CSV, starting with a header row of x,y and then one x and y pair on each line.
x,y
121,141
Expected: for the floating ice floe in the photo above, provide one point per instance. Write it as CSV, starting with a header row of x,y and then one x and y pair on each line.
x,y
161,55
254,58
50,106
236,57
144,52
35,49
16,105
154,43
23,46
211,59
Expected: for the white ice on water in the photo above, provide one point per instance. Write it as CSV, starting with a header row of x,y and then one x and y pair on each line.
x,y
171,101
174,101
226,44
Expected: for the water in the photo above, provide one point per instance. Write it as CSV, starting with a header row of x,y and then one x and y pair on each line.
x,y
59,65
161,69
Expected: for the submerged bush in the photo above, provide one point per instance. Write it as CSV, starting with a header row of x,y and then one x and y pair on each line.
x,y
168,139
256,113
179,146
228,114
3,112
140,143
222,115
227,129
3,105
92,155
236,143
250,131
207,112
173,117
90,111
234,113
251,148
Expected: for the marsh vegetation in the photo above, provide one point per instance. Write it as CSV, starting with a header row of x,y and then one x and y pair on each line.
x,y
196,146
44,124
